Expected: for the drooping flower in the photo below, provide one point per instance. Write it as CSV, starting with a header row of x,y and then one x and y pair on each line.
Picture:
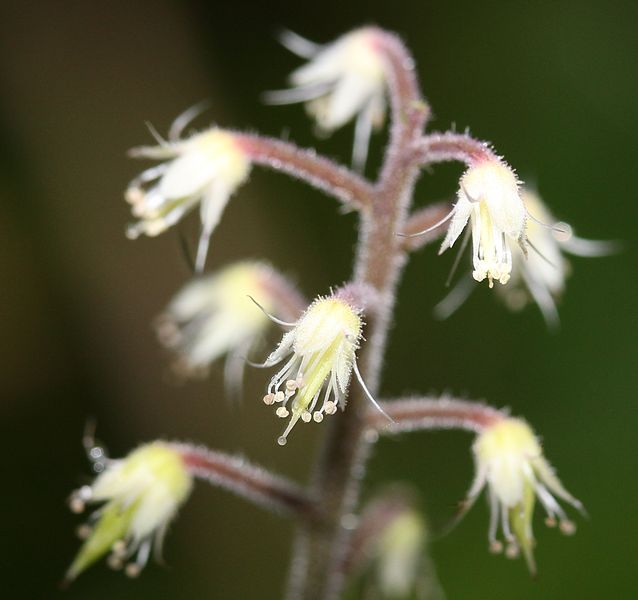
x,y
214,315
509,461
540,276
342,80
204,169
141,495
489,199
321,355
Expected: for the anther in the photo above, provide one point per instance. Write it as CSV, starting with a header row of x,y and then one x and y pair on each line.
x,y
567,527
280,397
83,531
330,407
550,522
133,570
512,551
76,504
306,416
317,416
119,548
269,399
282,412
114,562
496,546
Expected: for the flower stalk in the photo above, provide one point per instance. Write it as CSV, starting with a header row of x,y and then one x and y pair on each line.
x,y
318,552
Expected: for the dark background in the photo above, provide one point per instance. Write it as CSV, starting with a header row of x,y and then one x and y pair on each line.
x,y
552,84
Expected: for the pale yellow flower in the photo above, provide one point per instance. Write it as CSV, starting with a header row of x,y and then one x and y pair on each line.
x,y
321,355
342,80
489,199
141,495
204,169
510,463
216,315
540,274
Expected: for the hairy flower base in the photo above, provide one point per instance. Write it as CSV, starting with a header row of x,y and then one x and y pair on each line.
x,y
322,344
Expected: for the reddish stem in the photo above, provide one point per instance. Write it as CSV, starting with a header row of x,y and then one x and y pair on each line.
x,y
416,414
446,147
318,171
248,481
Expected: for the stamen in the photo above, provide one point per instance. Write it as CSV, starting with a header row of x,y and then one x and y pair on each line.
x,y
512,551
282,412
444,220
156,136
367,392
272,317
84,531
180,123
567,527
330,408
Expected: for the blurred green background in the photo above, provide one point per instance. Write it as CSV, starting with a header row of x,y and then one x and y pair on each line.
x,y
552,84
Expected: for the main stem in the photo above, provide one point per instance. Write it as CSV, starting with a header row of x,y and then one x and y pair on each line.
x,y
319,549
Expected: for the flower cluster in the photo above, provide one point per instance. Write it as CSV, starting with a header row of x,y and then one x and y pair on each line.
x,y
226,313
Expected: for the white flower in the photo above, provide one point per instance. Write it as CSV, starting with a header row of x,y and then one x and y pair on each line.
x,y
489,198
342,80
321,351
142,494
214,315
509,460
541,274
207,167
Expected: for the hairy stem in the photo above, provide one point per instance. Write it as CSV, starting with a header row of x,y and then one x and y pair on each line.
x,y
345,185
446,147
320,550
417,414
253,483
